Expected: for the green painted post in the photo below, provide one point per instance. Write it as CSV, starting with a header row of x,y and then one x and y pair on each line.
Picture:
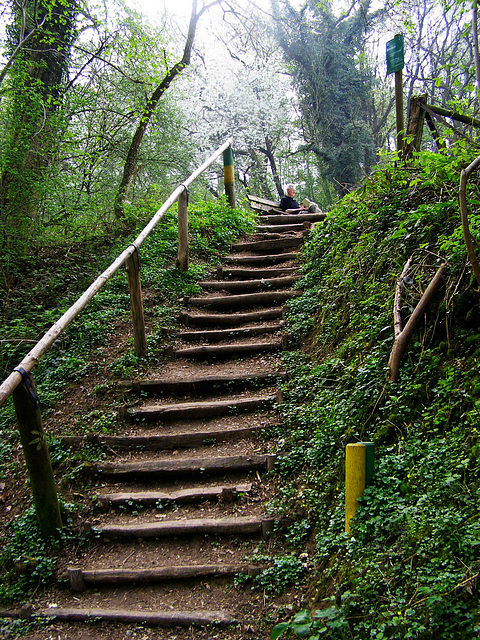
x,y
229,176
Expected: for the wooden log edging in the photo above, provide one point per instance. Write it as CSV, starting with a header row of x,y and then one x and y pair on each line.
x,y
241,525
243,300
229,319
164,442
206,409
204,383
180,467
192,494
94,577
152,618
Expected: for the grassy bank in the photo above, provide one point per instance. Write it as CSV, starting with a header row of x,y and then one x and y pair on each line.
x,y
410,568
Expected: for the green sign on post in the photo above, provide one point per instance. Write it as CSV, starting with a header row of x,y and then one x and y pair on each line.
x,y
395,54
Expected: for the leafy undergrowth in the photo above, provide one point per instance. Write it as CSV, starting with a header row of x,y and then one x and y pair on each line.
x,y
410,567
86,361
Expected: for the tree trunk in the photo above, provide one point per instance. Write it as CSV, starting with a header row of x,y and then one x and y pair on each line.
x,y
152,102
36,73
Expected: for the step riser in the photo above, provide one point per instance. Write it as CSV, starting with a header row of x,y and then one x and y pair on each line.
x,y
242,301
212,410
245,286
218,336
230,320
125,576
160,619
227,351
164,442
262,260
206,384
180,468
226,493
254,274
267,246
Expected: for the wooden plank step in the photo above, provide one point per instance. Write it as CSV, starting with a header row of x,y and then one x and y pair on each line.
x,y
192,494
237,301
79,578
282,228
230,319
152,618
200,409
188,527
293,218
260,200
263,259
204,383
269,246
163,442
229,334
180,467
247,274
250,285
226,350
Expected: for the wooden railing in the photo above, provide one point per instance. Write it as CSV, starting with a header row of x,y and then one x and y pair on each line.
x,y
20,383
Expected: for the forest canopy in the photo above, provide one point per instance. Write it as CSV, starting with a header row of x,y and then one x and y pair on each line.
x,y
100,108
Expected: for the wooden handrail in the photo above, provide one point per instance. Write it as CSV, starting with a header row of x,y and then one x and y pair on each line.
x,y
30,361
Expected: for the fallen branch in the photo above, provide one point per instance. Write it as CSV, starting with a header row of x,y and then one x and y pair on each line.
x,y
402,338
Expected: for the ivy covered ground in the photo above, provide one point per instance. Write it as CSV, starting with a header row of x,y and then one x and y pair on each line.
x,y
410,568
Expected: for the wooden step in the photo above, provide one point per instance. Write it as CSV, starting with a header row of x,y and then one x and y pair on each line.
x,y
208,409
180,467
229,334
224,492
254,274
152,618
79,578
226,350
263,259
243,300
230,319
282,228
249,285
268,246
163,442
205,383
188,527
292,218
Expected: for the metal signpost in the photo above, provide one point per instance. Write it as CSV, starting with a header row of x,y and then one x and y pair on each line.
x,y
395,64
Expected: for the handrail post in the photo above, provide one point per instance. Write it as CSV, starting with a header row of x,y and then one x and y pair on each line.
x,y
229,176
132,265
37,458
183,255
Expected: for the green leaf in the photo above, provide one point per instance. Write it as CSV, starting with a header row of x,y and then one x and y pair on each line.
x,y
278,630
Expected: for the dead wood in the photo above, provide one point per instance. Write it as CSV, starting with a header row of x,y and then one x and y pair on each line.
x,y
469,243
401,340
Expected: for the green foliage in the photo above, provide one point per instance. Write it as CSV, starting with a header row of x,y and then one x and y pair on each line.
x,y
27,559
411,566
284,572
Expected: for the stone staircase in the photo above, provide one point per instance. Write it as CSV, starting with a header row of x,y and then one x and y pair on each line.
x,y
180,495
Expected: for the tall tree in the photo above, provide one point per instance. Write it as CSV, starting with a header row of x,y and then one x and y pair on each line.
x,y
171,73
34,90
326,57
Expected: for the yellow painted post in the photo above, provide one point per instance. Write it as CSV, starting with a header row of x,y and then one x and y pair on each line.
x,y
229,176
359,467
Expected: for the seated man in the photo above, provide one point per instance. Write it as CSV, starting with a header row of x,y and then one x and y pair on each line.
x,y
288,204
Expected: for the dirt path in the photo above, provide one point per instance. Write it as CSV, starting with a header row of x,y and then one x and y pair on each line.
x,y
182,495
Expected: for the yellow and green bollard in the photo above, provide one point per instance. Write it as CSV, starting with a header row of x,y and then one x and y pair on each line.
x,y
359,469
